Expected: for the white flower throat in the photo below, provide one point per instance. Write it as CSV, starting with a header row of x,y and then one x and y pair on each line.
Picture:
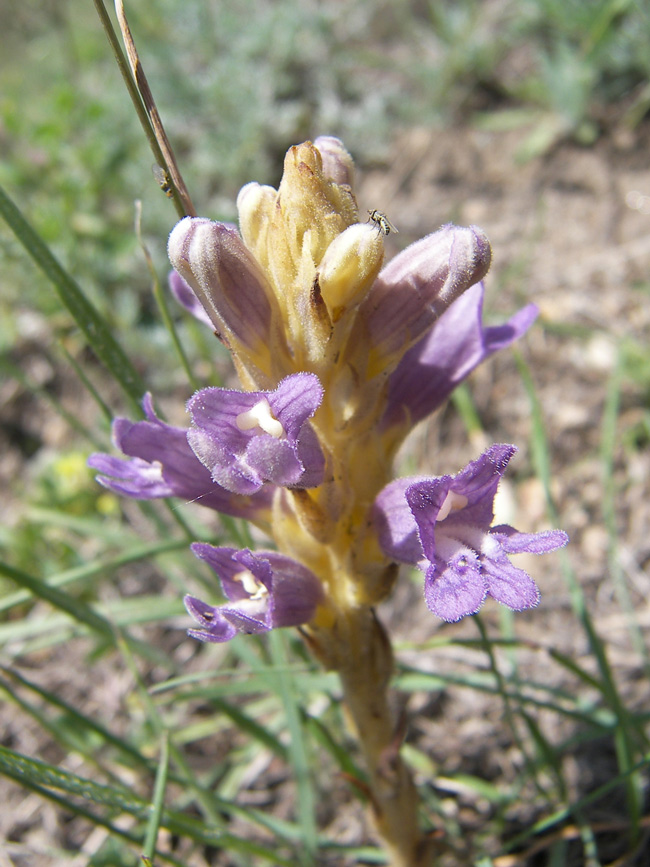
x,y
260,416
251,585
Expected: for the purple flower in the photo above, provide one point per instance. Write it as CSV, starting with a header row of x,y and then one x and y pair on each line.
x,y
420,283
265,590
186,297
228,282
444,526
456,344
248,438
162,464
338,165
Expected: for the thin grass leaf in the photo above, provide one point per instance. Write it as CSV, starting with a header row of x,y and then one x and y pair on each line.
x,y
549,755
61,732
608,442
163,306
120,800
626,733
16,773
80,612
509,710
358,854
153,825
138,103
463,402
236,683
306,801
410,681
244,723
562,815
84,722
75,608
97,567
339,752
483,789
575,667
46,394
34,773
212,805
91,323
90,388
95,528
38,633
203,798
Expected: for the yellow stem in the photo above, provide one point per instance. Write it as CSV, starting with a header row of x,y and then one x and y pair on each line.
x,y
359,649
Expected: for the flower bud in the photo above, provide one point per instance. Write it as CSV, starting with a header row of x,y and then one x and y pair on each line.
x,y
255,204
416,287
338,165
230,284
350,267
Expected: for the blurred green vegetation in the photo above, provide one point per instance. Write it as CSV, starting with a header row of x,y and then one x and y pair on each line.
x,y
238,83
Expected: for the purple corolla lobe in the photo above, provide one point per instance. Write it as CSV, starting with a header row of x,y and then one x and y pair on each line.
x,y
444,525
186,297
225,277
246,439
456,344
421,282
265,590
160,463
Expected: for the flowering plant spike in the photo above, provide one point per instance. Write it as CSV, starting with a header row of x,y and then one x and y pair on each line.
x,y
338,356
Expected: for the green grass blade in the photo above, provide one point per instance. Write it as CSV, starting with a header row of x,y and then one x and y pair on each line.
x,y
87,384
340,753
75,608
97,567
153,825
79,719
32,773
609,441
99,336
46,394
509,706
628,737
80,612
245,723
297,746
163,306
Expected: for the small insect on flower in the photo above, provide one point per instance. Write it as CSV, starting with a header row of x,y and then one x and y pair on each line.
x,y
163,179
381,221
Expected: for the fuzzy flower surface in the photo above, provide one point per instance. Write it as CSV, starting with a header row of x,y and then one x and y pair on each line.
x,y
452,348
248,438
338,354
160,463
265,590
444,525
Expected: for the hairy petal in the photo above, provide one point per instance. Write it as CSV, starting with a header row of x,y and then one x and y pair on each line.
x,y
513,542
420,283
478,483
456,344
247,439
453,591
161,463
186,297
265,589
444,526
509,585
